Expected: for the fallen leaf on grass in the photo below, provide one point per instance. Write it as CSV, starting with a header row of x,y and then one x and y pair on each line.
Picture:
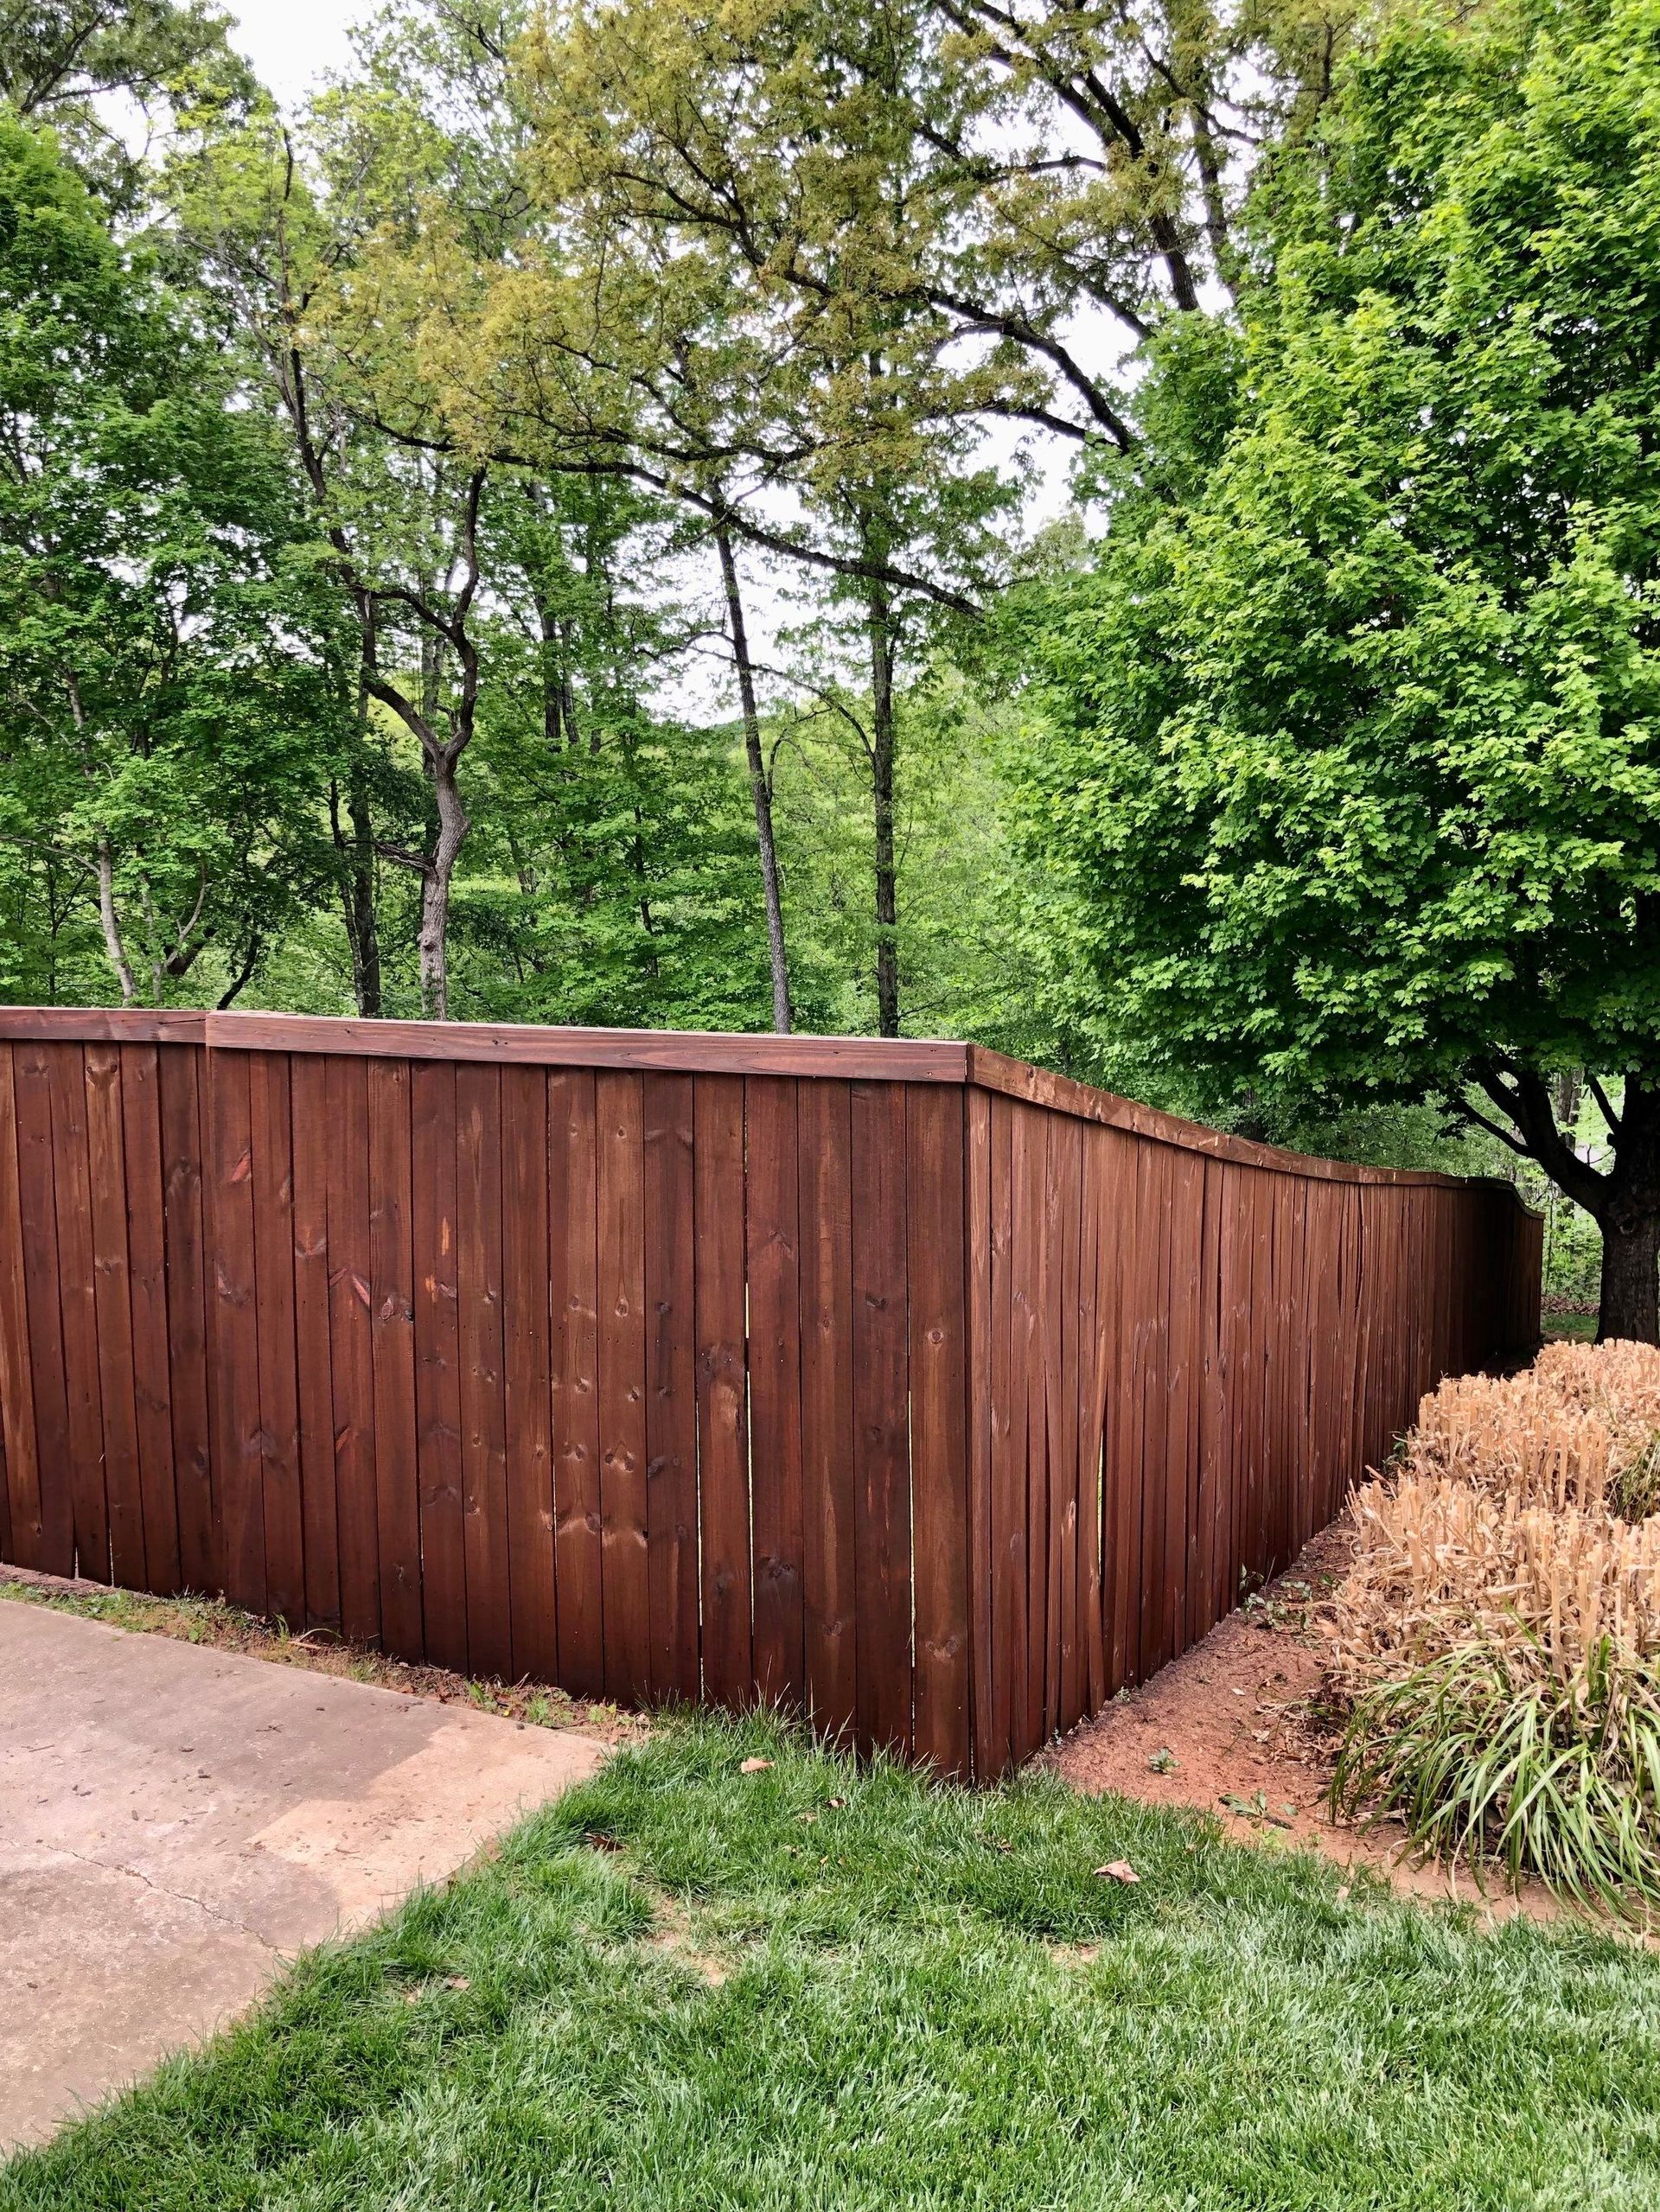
x,y
1117,1870
456,1981
996,1843
755,1766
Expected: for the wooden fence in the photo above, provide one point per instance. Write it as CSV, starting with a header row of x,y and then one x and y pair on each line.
x,y
900,1382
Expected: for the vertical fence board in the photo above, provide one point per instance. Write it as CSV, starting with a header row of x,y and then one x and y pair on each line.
x,y
670,1388
484,1381
66,1085
141,1117
826,1170
1008,1440
433,1201
988,1757
351,1353
1067,1160
620,1118
573,1257
27,1536
112,1312
940,1487
308,1104
184,1223
723,1422
881,1402
233,1335
271,1129
392,1351
773,1234
1030,1463
527,1327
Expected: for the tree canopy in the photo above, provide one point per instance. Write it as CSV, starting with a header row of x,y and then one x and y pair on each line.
x,y
1352,762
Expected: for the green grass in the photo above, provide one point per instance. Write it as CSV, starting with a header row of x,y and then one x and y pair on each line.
x,y
1580,1327
687,1987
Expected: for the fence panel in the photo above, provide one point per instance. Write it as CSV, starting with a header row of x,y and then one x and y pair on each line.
x,y
898,1383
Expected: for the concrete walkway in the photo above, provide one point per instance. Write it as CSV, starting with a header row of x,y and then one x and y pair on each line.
x,y
175,1821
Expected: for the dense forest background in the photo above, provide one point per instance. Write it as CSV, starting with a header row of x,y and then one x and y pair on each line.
x,y
580,522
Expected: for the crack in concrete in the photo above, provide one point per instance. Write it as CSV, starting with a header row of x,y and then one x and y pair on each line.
x,y
178,1897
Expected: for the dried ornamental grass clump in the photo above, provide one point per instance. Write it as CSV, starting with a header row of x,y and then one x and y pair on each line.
x,y
1498,1631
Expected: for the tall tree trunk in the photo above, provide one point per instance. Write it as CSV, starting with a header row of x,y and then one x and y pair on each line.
x,y
1629,1305
1629,1220
434,940
357,856
760,784
880,627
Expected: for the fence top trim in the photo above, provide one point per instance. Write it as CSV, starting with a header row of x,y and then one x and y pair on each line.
x,y
894,1059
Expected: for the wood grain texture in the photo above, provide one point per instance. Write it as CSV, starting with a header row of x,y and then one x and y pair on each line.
x,y
351,1348
106,1161
934,1395
573,1261
392,1353
26,1508
485,1533
936,1199
141,1115
271,1129
233,1335
528,1322
829,1504
772,1229
619,1108
881,1416
723,1411
184,1222
670,1388
313,1352
437,1363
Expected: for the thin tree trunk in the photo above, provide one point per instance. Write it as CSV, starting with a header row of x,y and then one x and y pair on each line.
x,y
433,942
365,929
111,924
357,886
880,625
760,785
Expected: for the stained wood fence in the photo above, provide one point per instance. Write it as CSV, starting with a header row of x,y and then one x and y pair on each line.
x,y
899,1382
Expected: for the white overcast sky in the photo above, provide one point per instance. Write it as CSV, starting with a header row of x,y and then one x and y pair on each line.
x,y
292,42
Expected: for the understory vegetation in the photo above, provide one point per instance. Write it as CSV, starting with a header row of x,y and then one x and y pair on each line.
x,y
812,1983
1498,1631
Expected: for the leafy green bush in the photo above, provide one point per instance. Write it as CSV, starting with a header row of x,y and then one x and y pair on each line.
x,y
1547,1777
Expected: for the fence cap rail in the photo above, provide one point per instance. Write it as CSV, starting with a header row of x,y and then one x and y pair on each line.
x,y
891,1060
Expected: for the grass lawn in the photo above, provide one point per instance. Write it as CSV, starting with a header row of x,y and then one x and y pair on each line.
x,y
685,1986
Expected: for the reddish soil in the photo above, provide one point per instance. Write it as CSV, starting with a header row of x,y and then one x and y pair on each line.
x,y
1242,1726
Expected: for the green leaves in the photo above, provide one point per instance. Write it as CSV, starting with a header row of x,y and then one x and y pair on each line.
x,y
1352,752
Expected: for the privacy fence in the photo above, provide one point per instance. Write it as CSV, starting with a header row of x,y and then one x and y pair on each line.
x,y
898,1381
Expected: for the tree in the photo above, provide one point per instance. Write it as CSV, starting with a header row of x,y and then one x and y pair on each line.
x,y
154,609
71,63
1352,775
